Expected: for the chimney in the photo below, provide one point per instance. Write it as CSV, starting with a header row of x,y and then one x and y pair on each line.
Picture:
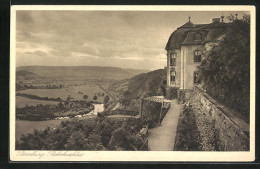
x,y
215,20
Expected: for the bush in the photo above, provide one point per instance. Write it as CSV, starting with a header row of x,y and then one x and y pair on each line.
x,y
188,136
171,93
181,96
161,91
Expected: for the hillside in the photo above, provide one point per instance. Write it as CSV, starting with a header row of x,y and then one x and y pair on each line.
x,y
86,72
26,74
133,89
145,84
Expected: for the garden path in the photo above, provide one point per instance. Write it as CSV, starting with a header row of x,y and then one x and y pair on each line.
x,y
162,138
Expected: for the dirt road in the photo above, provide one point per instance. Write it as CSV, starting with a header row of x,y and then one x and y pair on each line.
x,y
162,138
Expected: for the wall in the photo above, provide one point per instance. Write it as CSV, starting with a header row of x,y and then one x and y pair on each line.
x,y
187,56
227,135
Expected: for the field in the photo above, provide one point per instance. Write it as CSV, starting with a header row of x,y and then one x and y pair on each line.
x,y
73,91
25,127
23,101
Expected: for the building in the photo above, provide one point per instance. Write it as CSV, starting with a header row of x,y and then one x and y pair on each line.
x,y
186,48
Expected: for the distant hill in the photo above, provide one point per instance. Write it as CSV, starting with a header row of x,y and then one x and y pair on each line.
x,y
86,72
26,74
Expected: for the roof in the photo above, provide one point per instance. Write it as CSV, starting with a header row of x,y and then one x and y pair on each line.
x,y
188,25
185,34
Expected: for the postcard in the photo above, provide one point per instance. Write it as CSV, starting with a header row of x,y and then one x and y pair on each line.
x,y
132,83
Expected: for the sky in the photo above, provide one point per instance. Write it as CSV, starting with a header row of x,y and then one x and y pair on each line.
x,y
127,39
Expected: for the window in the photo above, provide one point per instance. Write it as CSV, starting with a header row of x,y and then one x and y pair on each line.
x,y
173,59
172,69
197,56
164,82
196,78
197,36
173,74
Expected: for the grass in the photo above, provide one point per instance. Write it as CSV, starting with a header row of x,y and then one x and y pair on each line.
x,y
23,101
63,93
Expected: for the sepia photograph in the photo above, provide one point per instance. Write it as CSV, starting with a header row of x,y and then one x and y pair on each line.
x,y
132,83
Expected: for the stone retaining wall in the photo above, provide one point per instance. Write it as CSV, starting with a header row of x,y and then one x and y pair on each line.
x,y
228,135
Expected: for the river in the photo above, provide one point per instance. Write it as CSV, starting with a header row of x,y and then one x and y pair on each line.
x,y
26,126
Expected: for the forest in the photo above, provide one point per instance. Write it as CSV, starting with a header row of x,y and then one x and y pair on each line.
x,y
88,134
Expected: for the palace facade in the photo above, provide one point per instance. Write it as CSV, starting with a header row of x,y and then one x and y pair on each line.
x,y
186,48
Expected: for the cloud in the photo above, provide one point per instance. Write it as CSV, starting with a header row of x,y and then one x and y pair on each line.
x,y
39,53
23,47
126,39
77,54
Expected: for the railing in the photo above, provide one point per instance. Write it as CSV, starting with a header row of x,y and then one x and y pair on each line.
x,y
154,99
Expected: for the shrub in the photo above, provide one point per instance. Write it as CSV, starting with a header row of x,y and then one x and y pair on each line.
x,y
171,93
188,136
181,96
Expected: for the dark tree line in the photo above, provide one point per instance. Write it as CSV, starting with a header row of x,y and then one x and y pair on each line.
x,y
44,112
31,96
27,86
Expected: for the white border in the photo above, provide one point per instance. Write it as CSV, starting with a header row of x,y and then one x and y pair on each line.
x,y
131,155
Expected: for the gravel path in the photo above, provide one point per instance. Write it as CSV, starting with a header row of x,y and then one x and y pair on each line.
x,y
162,138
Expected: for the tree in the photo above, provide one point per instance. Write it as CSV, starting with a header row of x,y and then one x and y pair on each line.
x,y
60,105
68,98
95,98
77,141
125,102
85,97
226,70
106,99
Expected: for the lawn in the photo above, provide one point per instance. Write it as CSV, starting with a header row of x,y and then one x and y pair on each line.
x,y
23,101
73,91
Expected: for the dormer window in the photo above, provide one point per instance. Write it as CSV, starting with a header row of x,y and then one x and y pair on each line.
x,y
197,36
197,55
173,59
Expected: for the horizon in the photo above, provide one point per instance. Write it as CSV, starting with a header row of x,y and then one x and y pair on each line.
x,y
124,39
85,66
